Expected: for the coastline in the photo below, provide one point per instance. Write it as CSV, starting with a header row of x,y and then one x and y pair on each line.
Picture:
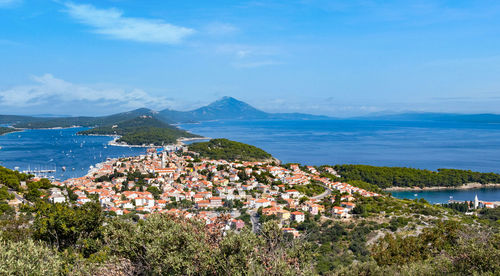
x,y
468,186
183,139
115,142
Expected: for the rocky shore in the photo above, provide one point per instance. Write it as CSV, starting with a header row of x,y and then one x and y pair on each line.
x,y
463,187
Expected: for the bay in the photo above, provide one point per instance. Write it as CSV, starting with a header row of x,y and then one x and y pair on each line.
x,y
426,145
442,196
48,149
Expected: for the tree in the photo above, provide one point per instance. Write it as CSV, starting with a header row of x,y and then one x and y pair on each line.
x,y
155,191
64,226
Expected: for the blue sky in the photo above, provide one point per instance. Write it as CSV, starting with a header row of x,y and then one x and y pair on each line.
x,y
338,58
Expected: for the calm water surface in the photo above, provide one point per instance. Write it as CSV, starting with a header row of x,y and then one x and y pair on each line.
x,y
55,148
428,145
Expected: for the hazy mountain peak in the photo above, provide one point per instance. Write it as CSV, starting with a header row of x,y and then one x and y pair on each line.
x,y
228,101
142,110
229,108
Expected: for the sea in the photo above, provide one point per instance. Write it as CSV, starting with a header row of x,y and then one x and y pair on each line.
x,y
416,144
53,149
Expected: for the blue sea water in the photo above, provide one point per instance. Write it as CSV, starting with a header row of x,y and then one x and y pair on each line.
x,y
55,148
425,145
442,196
428,145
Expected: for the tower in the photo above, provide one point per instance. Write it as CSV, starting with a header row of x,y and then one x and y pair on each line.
x,y
163,160
476,202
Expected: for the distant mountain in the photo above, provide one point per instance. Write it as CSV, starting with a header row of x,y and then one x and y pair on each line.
x,y
36,122
228,108
15,119
436,117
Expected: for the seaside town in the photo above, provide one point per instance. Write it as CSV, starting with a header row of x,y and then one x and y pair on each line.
x,y
170,180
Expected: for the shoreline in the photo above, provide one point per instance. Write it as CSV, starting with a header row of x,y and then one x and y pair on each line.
x,y
180,141
468,186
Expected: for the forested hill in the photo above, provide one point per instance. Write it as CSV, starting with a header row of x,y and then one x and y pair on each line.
x,y
142,130
4,130
229,150
87,121
386,177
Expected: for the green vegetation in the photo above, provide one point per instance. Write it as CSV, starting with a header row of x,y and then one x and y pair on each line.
x,y
388,237
12,179
365,186
37,122
144,130
458,206
385,177
491,214
229,150
447,248
66,240
5,196
311,189
5,130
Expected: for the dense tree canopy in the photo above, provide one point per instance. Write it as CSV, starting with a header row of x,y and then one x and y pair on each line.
x,y
12,179
4,130
385,177
142,131
229,150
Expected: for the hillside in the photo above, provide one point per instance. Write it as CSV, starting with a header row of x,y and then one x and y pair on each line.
x,y
229,150
5,130
142,130
14,119
385,177
228,108
36,122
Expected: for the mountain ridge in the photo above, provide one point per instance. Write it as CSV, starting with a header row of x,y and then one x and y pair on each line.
x,y
229,108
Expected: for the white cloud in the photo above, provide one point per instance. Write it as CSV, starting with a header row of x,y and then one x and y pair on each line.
x,y
49,91
112,23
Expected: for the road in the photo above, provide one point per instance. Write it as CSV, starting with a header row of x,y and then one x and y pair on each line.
x,y
254,219
18,197
326,193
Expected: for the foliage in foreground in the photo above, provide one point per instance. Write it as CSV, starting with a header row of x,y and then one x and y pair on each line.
x,y
57,239
80,240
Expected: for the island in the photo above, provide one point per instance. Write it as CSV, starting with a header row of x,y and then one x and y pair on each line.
x,y
142,131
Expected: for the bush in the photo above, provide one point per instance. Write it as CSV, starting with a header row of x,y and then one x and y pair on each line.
x,y
28,258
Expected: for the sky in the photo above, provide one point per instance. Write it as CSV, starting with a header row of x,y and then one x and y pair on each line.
x,y
338,58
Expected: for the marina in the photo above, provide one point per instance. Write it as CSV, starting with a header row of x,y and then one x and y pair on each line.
x,y
58,154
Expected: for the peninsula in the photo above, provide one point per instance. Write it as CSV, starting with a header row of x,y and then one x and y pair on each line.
x,y
5,130
142,131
